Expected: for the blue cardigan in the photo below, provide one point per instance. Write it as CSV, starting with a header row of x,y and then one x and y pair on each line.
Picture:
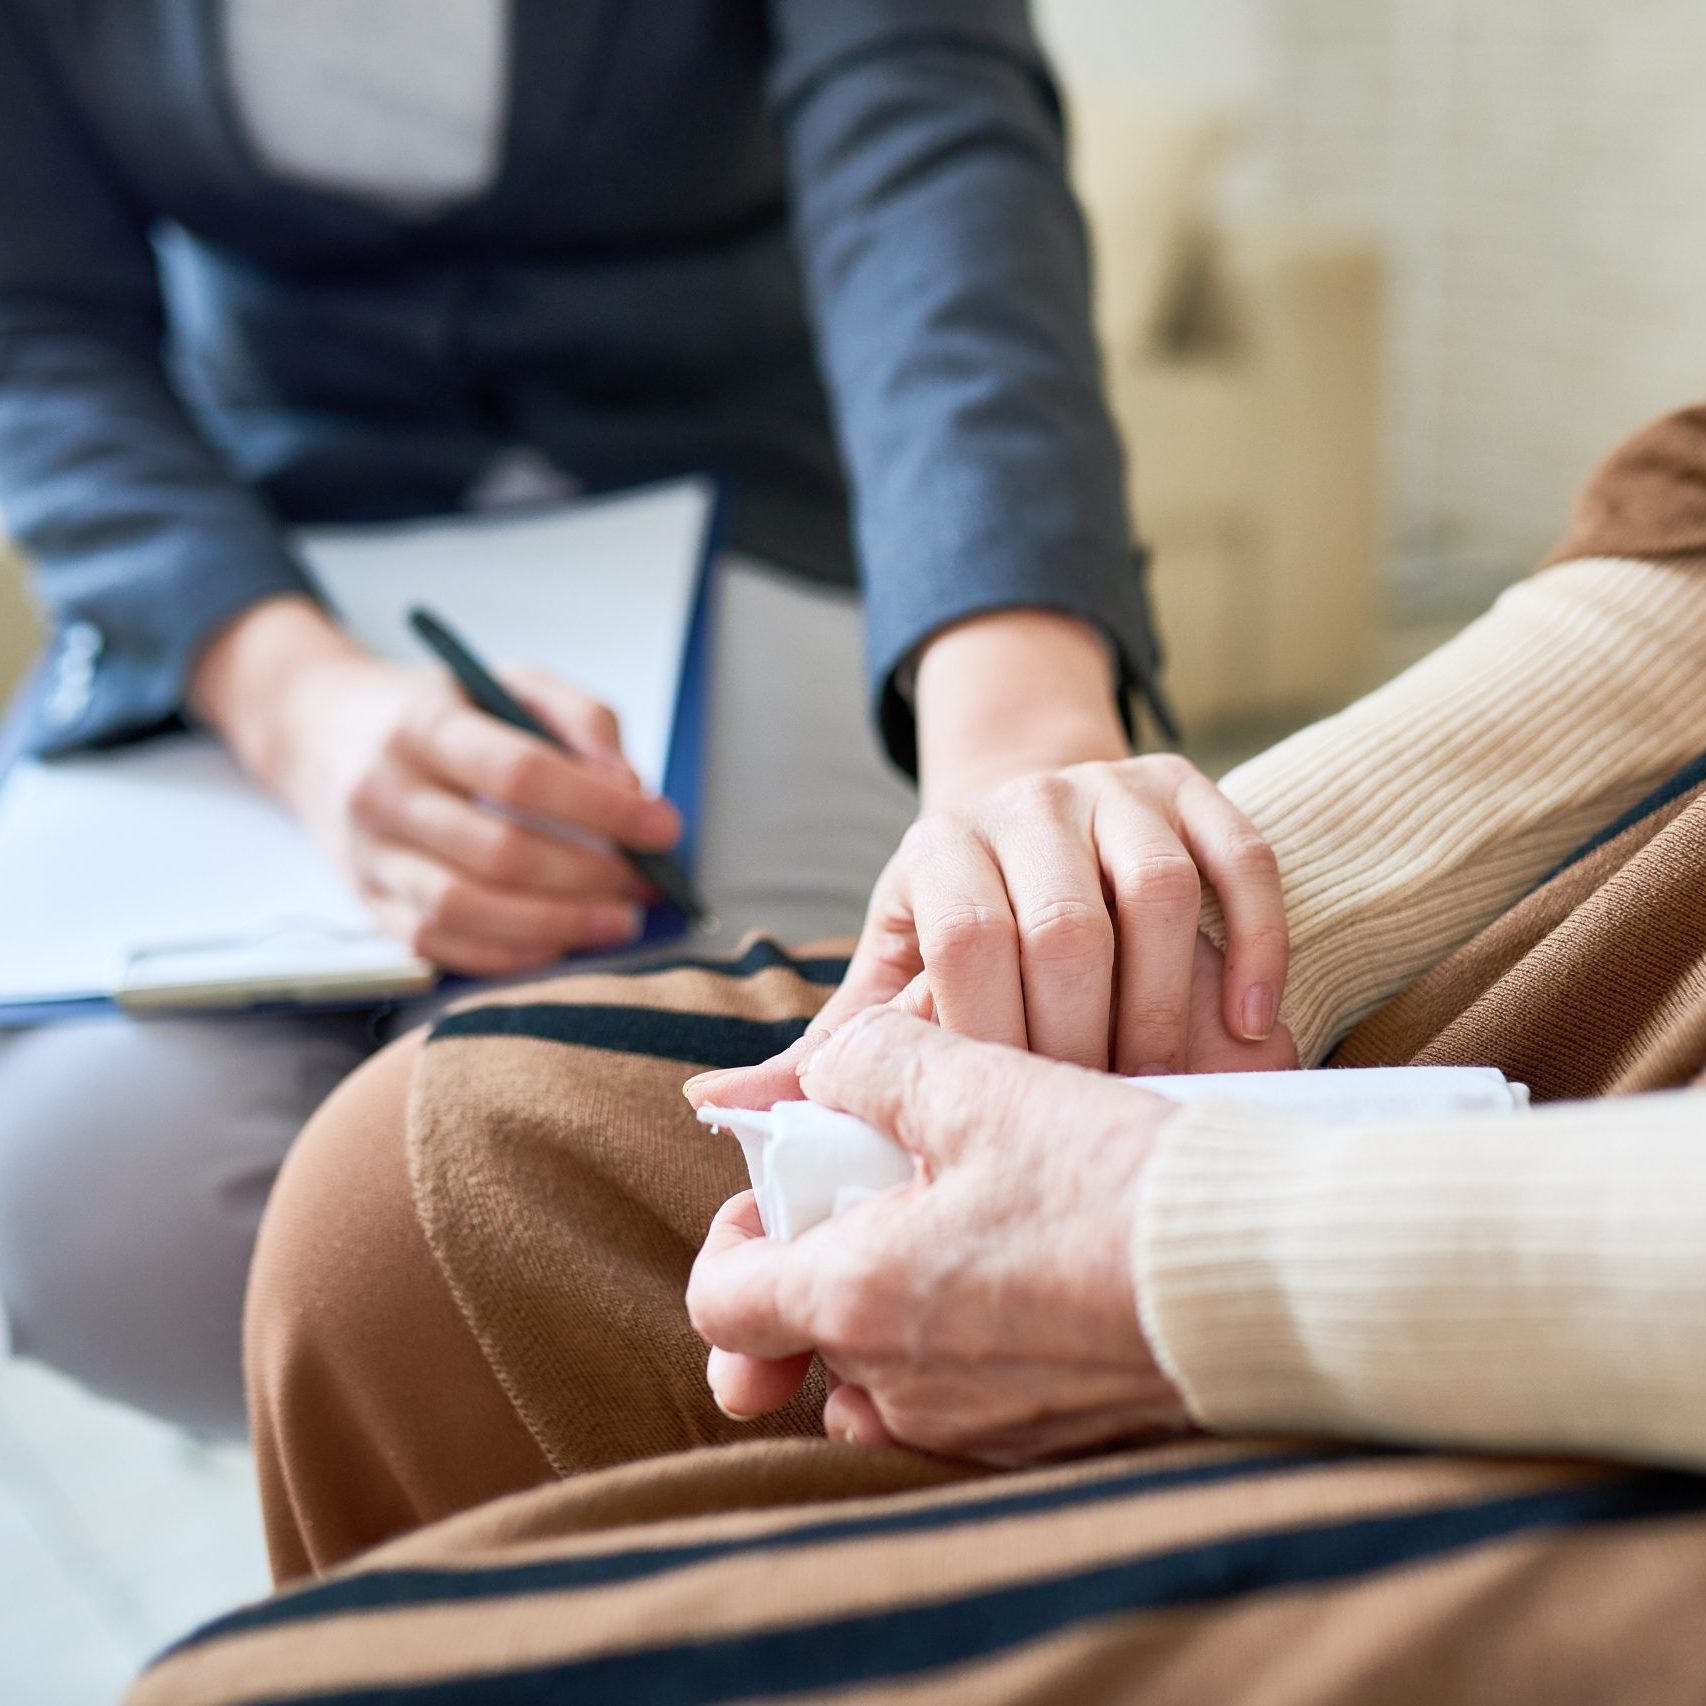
x,y
813,245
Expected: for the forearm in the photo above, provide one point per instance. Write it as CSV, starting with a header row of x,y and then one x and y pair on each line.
x,y
1013,691
1528,1283
948,271
1414,818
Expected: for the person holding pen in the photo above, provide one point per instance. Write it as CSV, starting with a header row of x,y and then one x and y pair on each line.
x,y
267,262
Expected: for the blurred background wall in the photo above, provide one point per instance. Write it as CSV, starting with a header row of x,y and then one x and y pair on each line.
x,y
1530,174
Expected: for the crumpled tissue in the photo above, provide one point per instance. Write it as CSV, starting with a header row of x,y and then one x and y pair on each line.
x,y
809,1163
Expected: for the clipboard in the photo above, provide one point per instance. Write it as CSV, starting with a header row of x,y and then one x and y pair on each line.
x,y
156,879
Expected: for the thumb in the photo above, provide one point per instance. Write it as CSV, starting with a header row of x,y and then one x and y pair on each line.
x,y
929,1088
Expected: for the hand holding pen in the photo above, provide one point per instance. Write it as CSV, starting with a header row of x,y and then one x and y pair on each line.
x,y
663,872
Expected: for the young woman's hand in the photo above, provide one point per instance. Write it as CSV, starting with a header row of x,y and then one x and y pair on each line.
x,y
1048,896
482,848
986,1310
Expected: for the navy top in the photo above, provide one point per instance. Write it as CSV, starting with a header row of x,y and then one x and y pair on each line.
x,y
812,245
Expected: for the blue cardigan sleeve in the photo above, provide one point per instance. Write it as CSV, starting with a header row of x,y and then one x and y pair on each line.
x,y
948,273
143,544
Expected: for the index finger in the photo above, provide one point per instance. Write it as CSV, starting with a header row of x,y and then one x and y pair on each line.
x,y
488,760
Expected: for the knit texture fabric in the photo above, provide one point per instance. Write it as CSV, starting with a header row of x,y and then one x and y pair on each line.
x,y
1520,1283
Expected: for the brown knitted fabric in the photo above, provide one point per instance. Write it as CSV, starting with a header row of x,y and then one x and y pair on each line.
x,y
1647,499
565,1187
1251,1573
1595,985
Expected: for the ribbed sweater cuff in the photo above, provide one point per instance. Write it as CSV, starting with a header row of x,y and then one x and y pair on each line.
x,y
1414,818
1498,1283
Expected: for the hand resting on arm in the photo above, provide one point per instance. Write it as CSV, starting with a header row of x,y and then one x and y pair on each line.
x,y
1049,892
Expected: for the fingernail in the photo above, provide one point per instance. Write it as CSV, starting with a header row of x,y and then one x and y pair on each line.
x,y
849,1437
702,1081
733,1415
658,818
614,925
1259,1007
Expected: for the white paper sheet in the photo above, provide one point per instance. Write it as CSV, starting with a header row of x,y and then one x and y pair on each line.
x,y
159,867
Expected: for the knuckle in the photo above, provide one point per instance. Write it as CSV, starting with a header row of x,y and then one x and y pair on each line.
x,y
960,933
1155,1017
1043,795
1171,768
368,798
1161,880
441,906
520,777
1251,856
1067,930
926,837
1266,940
506,856
849,1303
423,719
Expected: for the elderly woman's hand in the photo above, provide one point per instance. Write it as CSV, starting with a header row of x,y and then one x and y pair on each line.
x,y
986,1310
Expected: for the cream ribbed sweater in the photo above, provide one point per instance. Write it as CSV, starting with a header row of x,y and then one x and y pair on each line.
x,y
1538,1282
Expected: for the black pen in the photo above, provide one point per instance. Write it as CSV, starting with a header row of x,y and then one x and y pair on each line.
x,y
663,872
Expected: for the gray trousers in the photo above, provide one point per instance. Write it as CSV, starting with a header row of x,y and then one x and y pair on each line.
x,y
136,1155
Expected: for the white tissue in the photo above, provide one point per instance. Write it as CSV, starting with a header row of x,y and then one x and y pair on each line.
x,y
1354,1094
809,1163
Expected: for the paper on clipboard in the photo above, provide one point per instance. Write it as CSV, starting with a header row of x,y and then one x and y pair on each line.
x,y
159,877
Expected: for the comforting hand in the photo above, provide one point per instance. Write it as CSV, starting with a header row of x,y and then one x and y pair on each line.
x,y
1058,912
1209,1045
1049,892
483,848
985,1311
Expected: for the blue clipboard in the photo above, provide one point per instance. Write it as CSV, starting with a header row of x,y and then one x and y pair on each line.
x,y
682,785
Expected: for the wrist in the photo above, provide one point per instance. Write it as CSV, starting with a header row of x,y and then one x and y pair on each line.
x,y
251,674
1011,692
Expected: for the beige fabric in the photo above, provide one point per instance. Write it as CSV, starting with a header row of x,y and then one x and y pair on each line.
x,y
1498,1285
1501,1284
1493,1283
1417,816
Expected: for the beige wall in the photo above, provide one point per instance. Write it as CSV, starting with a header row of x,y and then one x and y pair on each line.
x,y
1534,169
18,626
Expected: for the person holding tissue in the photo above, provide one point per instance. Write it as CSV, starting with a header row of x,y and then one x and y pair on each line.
x,y
786,1484
1516,884
267,262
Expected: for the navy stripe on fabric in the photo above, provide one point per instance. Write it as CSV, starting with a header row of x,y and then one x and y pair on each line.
x,y
389,1589
1690,777
656,1032
705,1039
920,1638
763,955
